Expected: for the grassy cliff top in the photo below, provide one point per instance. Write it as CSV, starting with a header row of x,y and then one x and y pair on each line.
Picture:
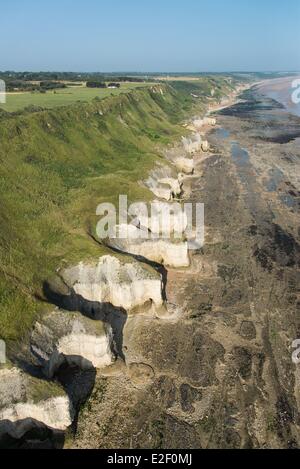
x,y
16,101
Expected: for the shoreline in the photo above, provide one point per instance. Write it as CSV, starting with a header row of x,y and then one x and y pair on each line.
x,y
281,90
231,99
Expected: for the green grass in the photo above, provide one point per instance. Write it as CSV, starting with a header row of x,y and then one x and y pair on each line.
x,y
56,166
18,101
203,87
41,390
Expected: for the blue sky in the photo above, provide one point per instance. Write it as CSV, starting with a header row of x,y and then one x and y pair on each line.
x,y
144,35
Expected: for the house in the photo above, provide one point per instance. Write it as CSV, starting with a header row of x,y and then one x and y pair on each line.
x,y
113,85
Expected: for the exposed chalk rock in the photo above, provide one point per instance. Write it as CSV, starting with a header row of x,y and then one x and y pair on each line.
x,y
193,144
164,183
61,336
205,146
173,185
186,165
183,163
162,217
26,401
157,89
209,121
53,413
124,285
163,251
198,123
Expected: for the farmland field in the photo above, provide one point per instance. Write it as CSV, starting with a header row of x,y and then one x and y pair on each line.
x,y
20,100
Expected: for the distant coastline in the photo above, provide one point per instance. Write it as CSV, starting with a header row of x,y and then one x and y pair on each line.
x,y
281,90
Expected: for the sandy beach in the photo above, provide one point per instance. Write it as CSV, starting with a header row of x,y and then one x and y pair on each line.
x,y
282,89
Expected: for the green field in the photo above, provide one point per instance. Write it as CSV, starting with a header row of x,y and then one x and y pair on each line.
x,y
18,101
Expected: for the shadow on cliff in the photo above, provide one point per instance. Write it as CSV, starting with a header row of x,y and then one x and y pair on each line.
x,y
36,436
160,268
106,312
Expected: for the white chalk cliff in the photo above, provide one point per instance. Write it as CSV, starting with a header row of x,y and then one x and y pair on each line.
x,y
61,336
163,251
161,215
26,402
205,146
185,165
199,123
209,121
124,285
164,183
193,144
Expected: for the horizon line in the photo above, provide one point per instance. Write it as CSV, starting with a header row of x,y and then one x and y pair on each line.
x,y
148,72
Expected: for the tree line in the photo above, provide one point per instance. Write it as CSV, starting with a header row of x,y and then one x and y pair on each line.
x,y
101,84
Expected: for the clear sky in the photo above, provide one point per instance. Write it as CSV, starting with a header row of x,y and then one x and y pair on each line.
x,y
150,35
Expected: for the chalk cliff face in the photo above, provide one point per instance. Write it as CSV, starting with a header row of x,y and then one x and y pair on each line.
x,y
193,144
53,413
164,183
68,346
205,146
160,215
163,251
199,123
111,281
185,165
26,401
61,336
209,121
165,188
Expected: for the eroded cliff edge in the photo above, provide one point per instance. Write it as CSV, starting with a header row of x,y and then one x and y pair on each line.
x,y
220,374
169,345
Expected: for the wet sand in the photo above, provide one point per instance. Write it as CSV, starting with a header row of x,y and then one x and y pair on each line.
x,y
281,90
